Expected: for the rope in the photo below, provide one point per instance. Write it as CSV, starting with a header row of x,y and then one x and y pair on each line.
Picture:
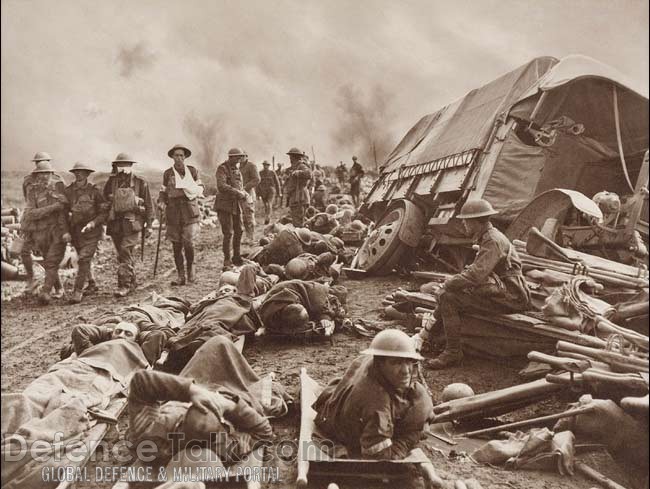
x,y
617,123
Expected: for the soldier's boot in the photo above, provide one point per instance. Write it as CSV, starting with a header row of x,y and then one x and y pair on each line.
x,y
191,278
28,263
181,278
76,297
44,298
91,288
452,356
227,262
59,291
189,259
236,254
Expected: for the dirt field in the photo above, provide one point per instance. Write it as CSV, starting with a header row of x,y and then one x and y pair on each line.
x,y
33,335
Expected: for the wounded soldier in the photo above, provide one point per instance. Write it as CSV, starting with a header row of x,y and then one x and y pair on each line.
x,y
211,405
298,307
378,409
58,403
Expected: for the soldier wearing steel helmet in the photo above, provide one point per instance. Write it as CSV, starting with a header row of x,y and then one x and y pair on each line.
x,y
26,253
88,212
131,211
356,174
296,186
44,225
228,203
178,198
379,408
493,283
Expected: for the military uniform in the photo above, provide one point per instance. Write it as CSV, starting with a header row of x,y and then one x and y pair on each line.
x,y
297,192
87,204
250,179
268,188
365,413
492,283
43,226
285,246
356,173
227,203
126,222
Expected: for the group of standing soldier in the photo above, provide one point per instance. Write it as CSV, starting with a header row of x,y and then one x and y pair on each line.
x,y
56,215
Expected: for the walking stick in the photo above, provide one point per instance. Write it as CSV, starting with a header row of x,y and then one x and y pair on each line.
x,y
155,263
142,238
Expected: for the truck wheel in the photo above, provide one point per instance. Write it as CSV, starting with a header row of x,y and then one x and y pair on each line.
x,y
396,232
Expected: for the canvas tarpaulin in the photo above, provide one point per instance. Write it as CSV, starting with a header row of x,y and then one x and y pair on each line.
x,y
465,124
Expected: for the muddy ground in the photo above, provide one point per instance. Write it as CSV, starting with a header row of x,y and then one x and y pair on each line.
x,y
32,336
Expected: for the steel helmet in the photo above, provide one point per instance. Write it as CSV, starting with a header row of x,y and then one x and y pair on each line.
x,y
296,268
266,163
236,152
43,166
354,158
78,166
41,156
608,202
295,316
304,235
124,158
357,225
393,343
187,152
332,209
295,151
456,391
476,208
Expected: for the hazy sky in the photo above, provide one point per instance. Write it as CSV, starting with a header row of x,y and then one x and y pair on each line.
x,y
86,79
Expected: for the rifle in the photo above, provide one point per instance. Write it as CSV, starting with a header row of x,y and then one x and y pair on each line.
x,y
155,263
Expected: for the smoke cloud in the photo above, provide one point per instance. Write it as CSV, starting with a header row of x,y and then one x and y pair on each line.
x,y
206,134
362,127
133,58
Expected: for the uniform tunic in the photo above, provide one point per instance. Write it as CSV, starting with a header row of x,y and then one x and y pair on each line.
x,y
181,213
365,413
297,192
228,203
86,204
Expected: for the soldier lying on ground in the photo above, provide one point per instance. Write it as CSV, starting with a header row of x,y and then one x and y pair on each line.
x,y
298,308
225,420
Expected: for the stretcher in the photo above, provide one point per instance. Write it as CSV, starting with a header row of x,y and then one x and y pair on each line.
x,y
313,462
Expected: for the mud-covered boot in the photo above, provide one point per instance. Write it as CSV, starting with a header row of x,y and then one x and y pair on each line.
x,y
181,278
451,357
76,297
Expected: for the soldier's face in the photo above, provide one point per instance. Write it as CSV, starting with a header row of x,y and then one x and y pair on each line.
x,y
398,371
126,331
81,176
472,226
178,156
43,178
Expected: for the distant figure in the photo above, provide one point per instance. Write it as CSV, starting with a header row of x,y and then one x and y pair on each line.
x,y
341,174
268,188
251,179
298,176
356,174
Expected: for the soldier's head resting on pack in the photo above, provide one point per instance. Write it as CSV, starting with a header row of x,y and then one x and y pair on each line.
x,y
295,316
395,357
126,331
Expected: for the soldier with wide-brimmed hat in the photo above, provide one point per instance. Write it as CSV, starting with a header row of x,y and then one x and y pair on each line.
x,y
178,199
131,211
493,283
296,186
88,212
44,225
228,204
268,188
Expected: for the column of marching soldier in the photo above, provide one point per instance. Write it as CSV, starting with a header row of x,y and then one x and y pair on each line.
x,y
56,215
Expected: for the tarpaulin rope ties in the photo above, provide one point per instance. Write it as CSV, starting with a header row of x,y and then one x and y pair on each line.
x,y
619,141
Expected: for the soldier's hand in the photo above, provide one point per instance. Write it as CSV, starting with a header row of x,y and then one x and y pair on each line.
x,y
88,227
243,194
206,400
66,237
139,201
162,206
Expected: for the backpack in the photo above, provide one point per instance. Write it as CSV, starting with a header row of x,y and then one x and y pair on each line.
x,y
124,198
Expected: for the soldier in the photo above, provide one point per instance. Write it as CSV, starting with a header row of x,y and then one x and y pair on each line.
x,y
131,212
269,187
26,254
228,204
356,174
178,198
88,212
298,175
250,179
341,174
44,225
378,409
492,283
